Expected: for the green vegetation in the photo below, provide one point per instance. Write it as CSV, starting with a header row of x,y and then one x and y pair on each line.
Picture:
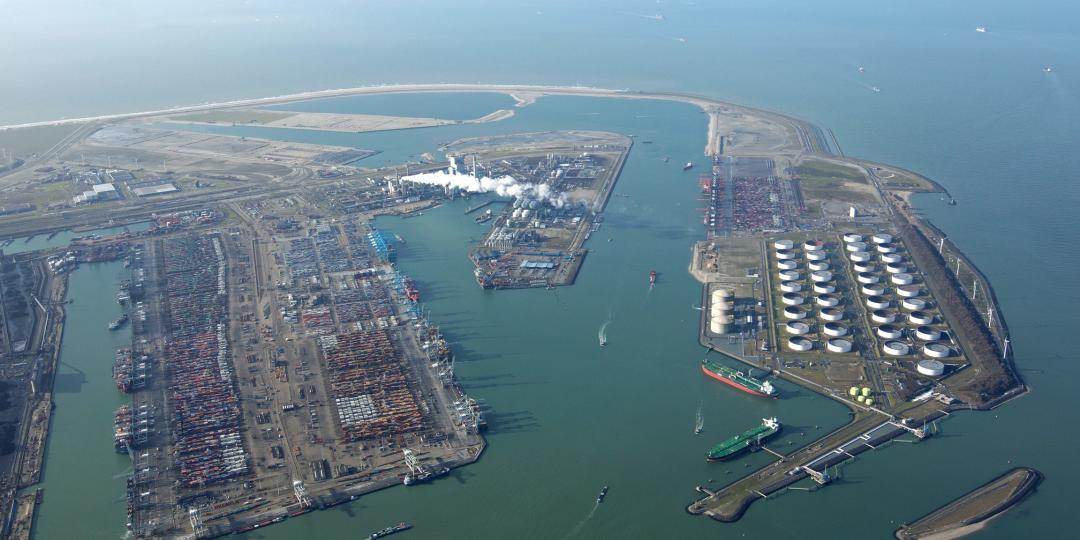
x,y
238,116
824,171
24,142
822,180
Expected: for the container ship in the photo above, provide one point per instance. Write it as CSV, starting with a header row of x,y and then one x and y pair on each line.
x,y
115,325
411,291
390,530
738,379
122,428
750,439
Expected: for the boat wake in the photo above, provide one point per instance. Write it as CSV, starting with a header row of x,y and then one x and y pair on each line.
x,y
603,332
581,524
699,422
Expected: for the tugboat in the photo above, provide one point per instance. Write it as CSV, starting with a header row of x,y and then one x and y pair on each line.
x,y
600,497
115,325
390,530
652,277
689,165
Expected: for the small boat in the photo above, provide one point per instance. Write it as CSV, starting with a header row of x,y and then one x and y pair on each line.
x,y
600,497
652,277
862,69
689,165
1048,69
666,159
875,89
390,530
980,29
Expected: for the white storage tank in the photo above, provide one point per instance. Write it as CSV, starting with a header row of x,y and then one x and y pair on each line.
x,y
800,344
889,331
877,302
838,345
792,299
783,244
785,254
832,314
856,247
896,348
920,317
813,245
818,265
913,304
834,329
883,316
824,288
860,256
718,326
852,237
793,312
927,333
936,350
882,238
787,264
902,278
891,258
895,268
867,277
789,275
930,368
827,300
873,289
816,255
864,266
821,276
909,291
886,248
797,328
790,286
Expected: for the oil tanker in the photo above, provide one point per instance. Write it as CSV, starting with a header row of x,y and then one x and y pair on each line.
x,y
738,379
750,439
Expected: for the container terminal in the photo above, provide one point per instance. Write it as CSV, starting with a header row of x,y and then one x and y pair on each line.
x,y
263,303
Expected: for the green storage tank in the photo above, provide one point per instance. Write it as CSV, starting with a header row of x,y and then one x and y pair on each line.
x,y
865,391
869,401
854,391
860,399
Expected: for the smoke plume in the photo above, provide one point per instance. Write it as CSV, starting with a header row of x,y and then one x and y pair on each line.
x,y
503,186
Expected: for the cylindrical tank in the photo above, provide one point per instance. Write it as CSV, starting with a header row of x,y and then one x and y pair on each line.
x,y
891,258
855,247
834,329
818,265
800,344
516,214
882,316
792,299
852,237
864,266
886,248
790,286
869,402
853,391
909,291
816,255
821,276
789,275
813,245
860,398
936,350
902,278
839,346
832,314
896,348
927,333
860,256
717,326
824,288
783,244
725,293
867,277
796,328
882,238
895,268
788,264
525,213
793,312
873,289
913,304
889,331
785,254
920,317
930,368
877,302
827,300
866,391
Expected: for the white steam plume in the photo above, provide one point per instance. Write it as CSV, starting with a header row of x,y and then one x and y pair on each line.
x,y
503,186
